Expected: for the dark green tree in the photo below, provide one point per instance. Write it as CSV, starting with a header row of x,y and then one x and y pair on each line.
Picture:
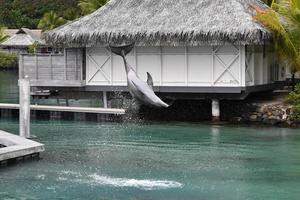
x,y
50,21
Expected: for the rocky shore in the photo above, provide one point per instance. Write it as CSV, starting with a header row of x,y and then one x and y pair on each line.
x,y
268,113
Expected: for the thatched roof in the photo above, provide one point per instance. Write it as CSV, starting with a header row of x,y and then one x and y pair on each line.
x,y
164,22
21,37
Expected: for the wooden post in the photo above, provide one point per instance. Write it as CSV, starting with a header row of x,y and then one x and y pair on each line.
x,y
24,116
215,108
105,99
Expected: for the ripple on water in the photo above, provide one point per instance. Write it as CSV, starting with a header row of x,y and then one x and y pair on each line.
x,y
146,184
103,180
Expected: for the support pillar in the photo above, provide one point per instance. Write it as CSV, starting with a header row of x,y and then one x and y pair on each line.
x,y
105,99
215,109
24,116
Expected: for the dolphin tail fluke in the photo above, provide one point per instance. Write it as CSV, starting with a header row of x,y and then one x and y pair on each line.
x,y
121,50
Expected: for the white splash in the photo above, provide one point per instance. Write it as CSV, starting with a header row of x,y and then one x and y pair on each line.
x,y
141,184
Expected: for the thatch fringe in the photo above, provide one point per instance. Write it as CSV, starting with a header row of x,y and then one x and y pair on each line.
x,y
164,22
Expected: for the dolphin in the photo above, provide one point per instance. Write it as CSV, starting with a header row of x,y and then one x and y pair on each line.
x,y
139,90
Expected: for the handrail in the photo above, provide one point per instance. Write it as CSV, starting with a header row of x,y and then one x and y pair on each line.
x,y
41,54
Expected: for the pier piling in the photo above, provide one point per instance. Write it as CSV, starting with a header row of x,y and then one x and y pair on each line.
x,y
24,116
215,106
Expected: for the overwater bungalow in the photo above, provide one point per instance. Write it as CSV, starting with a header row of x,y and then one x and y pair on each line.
x,y
193,49
20,40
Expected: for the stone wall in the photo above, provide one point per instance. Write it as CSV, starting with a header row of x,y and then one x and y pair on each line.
x,y
260,113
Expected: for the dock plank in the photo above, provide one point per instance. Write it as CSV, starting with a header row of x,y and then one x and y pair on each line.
x,y
113,111
17,146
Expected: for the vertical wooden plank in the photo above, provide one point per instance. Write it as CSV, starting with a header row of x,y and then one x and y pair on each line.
x,y
213,66
111,68
36,67
161,66
243,64
135,59
84,66
186,70
76,65
65,64
51,65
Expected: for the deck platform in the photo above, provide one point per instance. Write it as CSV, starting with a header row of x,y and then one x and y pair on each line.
x,y
14,146
111,111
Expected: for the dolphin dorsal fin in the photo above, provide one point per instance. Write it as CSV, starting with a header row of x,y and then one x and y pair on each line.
x,y
149,80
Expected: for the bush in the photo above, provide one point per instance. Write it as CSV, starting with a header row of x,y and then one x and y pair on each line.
x,y
8,61
294,99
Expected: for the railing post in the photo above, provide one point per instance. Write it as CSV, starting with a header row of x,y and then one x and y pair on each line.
x,y
24,116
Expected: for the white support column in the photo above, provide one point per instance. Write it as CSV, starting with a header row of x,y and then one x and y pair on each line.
x,y
24,116
215,109
105,99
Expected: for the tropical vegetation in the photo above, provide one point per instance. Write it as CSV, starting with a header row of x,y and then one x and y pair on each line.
x,y
89,6
50,21
283,19
294,99
2,35
8,61
47,13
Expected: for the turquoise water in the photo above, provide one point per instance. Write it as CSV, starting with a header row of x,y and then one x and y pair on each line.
x,y
9,92
156,161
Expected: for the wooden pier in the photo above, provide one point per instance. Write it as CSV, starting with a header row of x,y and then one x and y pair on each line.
x,y
14,147
94,110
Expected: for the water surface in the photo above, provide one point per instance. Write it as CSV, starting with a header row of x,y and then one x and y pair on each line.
x,y
86,160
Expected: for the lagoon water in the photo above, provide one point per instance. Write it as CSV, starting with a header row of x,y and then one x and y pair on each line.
x,y
87,160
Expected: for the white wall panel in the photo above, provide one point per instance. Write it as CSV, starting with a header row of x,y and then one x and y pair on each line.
x,y
169,66
199,69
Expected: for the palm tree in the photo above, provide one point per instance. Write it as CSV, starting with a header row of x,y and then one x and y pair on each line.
x,y
71,14
50,21
283,19
2,36
89,6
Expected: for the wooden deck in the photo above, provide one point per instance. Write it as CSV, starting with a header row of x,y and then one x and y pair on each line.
x,y
16,146
112,111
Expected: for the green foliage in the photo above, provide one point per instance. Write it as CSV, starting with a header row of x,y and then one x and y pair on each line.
x,y
283,19
2,36
27,13
8,61
89,6
32,48
294,99
50,21
71,14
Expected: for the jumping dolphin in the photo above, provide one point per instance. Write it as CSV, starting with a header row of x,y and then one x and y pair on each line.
x,y
139,90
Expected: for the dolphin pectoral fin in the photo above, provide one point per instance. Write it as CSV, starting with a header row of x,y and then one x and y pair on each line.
x,y
149,80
